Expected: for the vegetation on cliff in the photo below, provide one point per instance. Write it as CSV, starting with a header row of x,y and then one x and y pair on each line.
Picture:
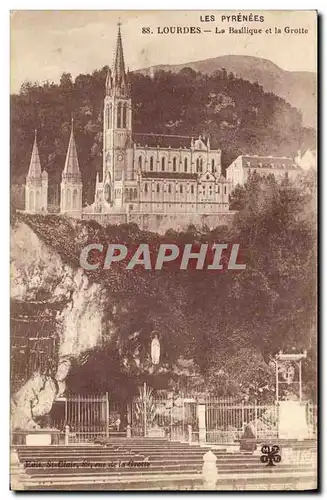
x,y
229,323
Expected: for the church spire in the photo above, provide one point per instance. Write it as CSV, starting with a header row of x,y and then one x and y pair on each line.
x,y
34,170
71,164
119,63
117,80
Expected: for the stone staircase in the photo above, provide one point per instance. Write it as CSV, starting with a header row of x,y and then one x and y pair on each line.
x,y
151,464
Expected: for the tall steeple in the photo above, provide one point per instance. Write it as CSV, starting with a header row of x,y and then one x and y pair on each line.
x,y
71,164
119,63
117,131
34,170
117,81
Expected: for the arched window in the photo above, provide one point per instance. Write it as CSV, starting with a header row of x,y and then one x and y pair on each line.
x,y
75,198
181,188
201,164
110,116
197,165
119,115
107,193
213,168
37,200
210,190
31,200
169,188
218,189
69,199
140,161
124,115
145,188
163,163
126,193
151,163
185,165
108,111
192,189
135,193
225,189
174,164
158,188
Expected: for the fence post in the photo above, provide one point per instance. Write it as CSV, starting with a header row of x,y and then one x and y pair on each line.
x,y
128,431
256,419
66,435
209,470
171,418
202,421
243,417
107,414
189,430
183,416
144,409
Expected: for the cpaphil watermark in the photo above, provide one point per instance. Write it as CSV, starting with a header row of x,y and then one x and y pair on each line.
x,y
202,256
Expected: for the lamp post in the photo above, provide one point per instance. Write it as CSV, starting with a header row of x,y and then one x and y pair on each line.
x,y
284,359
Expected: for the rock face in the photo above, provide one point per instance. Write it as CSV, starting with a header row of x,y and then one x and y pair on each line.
x,y
38,271
33,400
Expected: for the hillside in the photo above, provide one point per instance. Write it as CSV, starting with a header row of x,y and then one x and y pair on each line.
x,y
238,116
296,87
228,323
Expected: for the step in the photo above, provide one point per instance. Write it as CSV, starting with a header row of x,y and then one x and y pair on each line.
x,y
49,474
171,482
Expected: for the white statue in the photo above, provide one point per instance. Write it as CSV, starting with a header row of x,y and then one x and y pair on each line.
x,y
155,350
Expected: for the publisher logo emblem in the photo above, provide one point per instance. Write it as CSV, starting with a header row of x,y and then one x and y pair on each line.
x,y
270,455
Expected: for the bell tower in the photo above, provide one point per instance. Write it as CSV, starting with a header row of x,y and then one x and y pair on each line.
x,y
117,128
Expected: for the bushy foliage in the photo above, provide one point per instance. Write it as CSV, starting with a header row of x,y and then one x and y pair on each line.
x,y
230,324
239,117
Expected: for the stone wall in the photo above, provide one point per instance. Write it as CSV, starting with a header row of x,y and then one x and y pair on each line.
x,y
160,223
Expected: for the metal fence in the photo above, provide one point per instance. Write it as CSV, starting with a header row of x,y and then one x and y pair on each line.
x,y
312,419
176,417
169,416
227,419
87,417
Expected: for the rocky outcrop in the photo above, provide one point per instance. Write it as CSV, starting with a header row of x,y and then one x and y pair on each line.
x,y
38,271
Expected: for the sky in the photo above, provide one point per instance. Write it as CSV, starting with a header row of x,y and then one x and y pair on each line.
x,y
44,44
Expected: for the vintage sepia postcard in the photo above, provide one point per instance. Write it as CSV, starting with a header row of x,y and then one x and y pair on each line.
x,y
163,250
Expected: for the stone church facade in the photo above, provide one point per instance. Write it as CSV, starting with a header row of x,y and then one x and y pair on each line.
x,y
151,173
144,174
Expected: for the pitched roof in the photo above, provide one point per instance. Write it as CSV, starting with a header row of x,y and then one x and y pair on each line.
x,y
71,163
162,141
35,164
281,162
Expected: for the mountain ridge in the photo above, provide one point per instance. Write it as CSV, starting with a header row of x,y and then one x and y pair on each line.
x,y
296,87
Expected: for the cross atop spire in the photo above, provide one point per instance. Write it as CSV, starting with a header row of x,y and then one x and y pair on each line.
x,y
117,81
119,63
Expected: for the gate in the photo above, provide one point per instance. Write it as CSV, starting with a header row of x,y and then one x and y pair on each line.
x,y
86,415
170,416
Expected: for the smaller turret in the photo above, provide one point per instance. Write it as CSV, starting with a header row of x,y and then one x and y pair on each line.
x,y
71,184
36,188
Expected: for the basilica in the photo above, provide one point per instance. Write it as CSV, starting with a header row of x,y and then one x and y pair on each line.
x,y
141,173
